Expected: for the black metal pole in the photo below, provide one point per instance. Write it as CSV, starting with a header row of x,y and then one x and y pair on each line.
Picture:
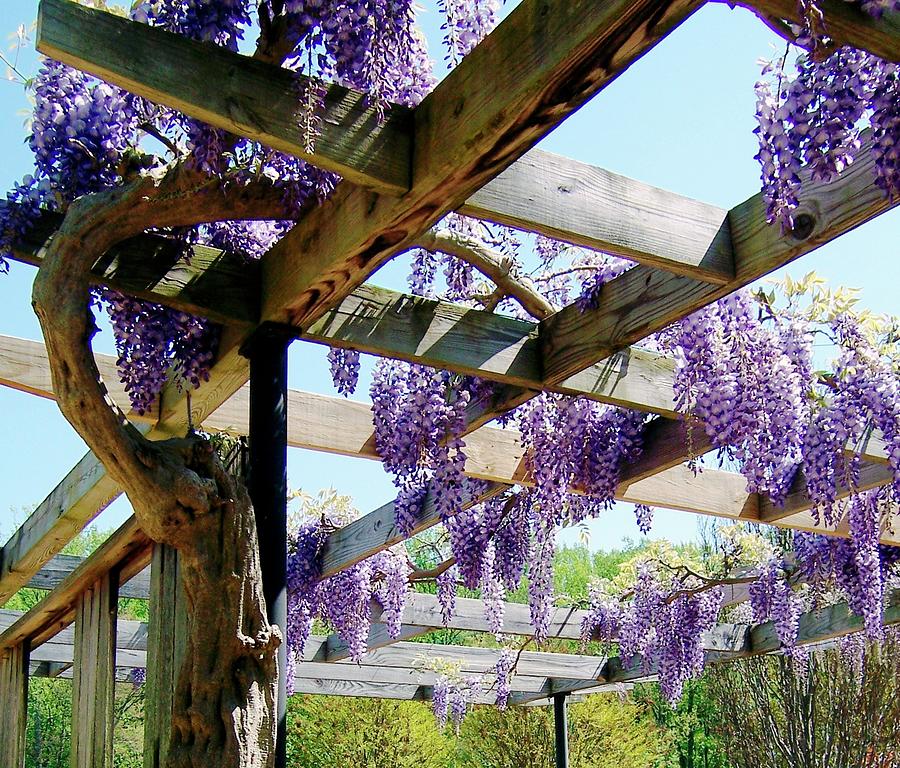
x,y
561,728
267,351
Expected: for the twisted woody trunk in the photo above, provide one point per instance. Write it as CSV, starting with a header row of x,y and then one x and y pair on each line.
x,y
224,706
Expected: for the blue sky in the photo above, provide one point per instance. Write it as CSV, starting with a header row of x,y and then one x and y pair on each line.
x,y
681,119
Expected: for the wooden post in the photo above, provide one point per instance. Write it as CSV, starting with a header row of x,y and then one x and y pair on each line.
x,y
561,729
165,651
267,350
13,700
93,685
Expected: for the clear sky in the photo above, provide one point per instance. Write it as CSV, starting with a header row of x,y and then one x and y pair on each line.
x,y
681,119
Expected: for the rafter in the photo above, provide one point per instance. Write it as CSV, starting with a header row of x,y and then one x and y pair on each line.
x,y
335,425
847,23
239,94
580,204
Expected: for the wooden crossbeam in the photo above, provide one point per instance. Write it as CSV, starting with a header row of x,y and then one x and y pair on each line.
x,y
127,550
386,668
816,627
583,205
208,282
59,567
547,60
643,300
335,425
78,499
244,96
846,23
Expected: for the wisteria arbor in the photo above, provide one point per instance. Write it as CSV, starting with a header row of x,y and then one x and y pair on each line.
x,y
220,206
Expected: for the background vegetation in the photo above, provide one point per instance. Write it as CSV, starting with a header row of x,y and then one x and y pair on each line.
x,y
735,717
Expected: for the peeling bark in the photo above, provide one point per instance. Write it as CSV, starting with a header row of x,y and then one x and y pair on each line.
x,y
224,710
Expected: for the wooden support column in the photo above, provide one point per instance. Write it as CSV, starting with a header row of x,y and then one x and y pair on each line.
x,y
93,684
561,729
267,351
13,700
165,651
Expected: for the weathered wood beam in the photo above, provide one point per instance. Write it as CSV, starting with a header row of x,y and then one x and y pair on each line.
x,y
846,23
335,425
204,281
424,610
481,660
644,300
546,60
244,96
816,627
59,567
502,349
588,206
78,499
127,551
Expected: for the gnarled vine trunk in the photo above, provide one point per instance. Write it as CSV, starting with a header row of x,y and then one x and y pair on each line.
x,y
224,707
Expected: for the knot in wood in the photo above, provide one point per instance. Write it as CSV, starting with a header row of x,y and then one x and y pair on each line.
x,y
803,227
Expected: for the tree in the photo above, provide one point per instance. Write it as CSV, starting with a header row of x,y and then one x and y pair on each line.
x,y
690,725
842,710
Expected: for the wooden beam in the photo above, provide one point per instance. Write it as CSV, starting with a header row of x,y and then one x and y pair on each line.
x,y
131,635
244,96
588,206
127,550
816,627
502,349
78,499
59,567
846,23
827,623
482,660
335,425
424,610
546,60
208,282
93,687
644,300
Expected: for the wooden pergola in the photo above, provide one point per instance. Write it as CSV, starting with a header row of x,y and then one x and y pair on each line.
x,y
469,147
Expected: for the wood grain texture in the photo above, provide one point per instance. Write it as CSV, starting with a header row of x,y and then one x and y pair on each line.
x,y
424,610
481,660
165,651
77,500
546,59
59,567
847,23
14,664
644,300
501,349
244,96
204,281
827,623
93,684
127,551
378,530
588,206
335,425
